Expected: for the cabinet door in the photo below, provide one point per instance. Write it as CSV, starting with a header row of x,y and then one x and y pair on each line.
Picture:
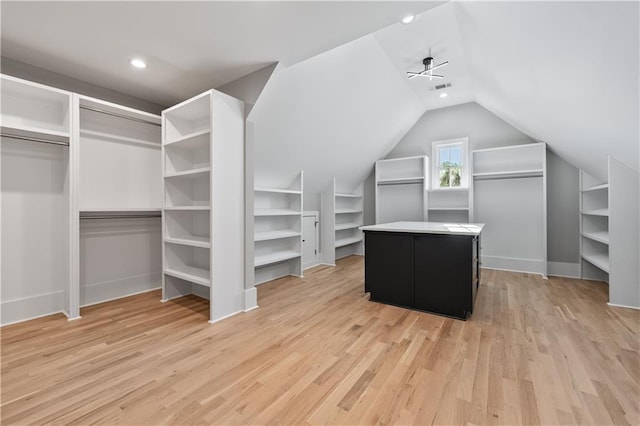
x,y
443,274
388,267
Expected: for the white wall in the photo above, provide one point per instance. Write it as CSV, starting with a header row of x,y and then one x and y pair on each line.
x,y
486,130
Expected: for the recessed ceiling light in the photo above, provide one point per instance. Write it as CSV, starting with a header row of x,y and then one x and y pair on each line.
x,y
138,63
408,19
444,95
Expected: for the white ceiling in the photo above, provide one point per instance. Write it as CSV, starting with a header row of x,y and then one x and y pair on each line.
x,y
435,34
189,46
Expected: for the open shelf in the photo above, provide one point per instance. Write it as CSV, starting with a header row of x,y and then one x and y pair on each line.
x,y
275,257
187,208
600,236
191,241
348,211
276,212
35,133
509,174
189,173
596,187
403,180
193,274
598,212
344,226
449,208
275,235
278,190
348,241
599,260
191,140
339,195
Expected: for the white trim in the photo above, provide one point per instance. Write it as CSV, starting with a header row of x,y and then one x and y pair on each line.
x,y
213,321
563,269
250,299
615,305
513,264
32,307
118,298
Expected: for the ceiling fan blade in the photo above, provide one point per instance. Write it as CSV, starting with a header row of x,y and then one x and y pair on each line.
x,y
423,74
439,65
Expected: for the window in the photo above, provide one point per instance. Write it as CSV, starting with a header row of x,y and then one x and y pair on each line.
x,y
450,164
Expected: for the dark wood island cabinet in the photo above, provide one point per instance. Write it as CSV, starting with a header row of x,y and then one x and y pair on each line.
x,y
427,266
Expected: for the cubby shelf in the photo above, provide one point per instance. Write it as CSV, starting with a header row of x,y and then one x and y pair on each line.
x,y
449,208
348,211
278,190
275,235
192,274
597,212
596,187
275,257
342,195
187,208
351,225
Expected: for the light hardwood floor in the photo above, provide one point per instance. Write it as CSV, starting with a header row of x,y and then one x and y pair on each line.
x,y
318,352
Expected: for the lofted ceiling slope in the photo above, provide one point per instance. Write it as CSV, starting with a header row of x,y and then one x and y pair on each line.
x,y
189,46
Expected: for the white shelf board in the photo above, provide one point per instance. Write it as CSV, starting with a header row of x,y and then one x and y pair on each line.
x,y
186,138
276,212
347,211
275,235
187,208
600,236
190,241
190,273
509,174
597,187
34,132
280,256
598,212
277,190
348,195
189,173
410,179
347,241
599,260
121,210
350,225
449,208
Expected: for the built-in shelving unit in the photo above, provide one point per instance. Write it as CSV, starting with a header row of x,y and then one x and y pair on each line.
x,y
203,213
342,216
278,230
509,195
451,205
401,185
594,228
37,200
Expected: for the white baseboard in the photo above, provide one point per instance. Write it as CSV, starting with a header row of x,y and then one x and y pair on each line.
x,y
563,269
250,299
213,321
615,305
311,265
31,307
105,291
531,266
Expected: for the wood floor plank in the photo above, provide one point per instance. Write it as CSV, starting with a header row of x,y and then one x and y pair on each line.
x,y
317,351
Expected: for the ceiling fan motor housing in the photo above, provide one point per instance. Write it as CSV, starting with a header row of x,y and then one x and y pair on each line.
x,y
428,62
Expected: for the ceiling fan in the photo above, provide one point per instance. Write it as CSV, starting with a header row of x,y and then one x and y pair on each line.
x,y
428,69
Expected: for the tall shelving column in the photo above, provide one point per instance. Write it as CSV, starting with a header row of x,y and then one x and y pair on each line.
x,y
401,185
38,201
342,216
594,228
278,230
203,202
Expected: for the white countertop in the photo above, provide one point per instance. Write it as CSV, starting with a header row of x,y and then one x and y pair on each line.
x,y
428,228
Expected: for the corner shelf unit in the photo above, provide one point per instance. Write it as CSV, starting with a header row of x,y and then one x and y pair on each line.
x,y
594,228
509,195
342,216
203,202
278,230
401,185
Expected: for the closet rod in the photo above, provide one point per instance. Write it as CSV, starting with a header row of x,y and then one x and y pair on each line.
x,y
32,139
507,177
121,216
400,183
115,114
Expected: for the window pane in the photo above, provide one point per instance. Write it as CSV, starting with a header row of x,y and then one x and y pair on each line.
x,y
455,153
444,178
455,176
444,156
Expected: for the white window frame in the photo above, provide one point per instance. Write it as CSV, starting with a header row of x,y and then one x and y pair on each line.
x,y
464,170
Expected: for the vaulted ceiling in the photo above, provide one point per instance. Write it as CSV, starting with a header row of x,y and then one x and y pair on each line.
x,y
562,72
